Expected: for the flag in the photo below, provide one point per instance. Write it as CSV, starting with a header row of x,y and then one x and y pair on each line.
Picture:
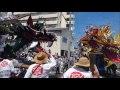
x,y
30,21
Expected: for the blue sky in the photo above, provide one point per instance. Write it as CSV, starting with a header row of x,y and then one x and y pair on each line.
x,y
83,19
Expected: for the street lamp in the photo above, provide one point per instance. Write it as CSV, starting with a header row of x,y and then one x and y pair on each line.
x,y
69,37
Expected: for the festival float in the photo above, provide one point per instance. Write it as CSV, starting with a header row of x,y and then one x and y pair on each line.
x,y
16,39
101,40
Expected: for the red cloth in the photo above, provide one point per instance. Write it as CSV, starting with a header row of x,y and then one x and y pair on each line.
x,y
30,21
39,49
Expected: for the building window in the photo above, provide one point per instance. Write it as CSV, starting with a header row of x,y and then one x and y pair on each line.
x,y
67,19
68,13
51,26
49,18
64,39
67,25
64,53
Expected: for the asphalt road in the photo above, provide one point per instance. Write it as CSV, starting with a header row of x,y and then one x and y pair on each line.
x,y
54,75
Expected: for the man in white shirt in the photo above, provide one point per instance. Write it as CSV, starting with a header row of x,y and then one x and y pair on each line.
x,y
81,70
42,67
61,65
6,69
58,63
66,64
18,65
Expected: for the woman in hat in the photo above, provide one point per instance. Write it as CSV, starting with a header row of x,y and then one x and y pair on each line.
x,y
81,70
42,67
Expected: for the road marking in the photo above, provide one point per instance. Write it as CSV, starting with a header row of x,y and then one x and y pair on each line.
x,y
117,71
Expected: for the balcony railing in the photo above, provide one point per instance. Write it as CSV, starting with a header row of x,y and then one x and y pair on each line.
x,y
41,16
51,22
72,22
72,16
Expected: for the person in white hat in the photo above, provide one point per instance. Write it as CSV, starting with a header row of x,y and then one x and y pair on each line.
x,y
42,67
81,70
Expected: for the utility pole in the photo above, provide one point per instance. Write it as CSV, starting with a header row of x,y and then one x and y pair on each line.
x,y
69,37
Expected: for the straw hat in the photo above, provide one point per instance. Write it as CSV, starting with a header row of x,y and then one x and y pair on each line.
x,y
41,58
84,62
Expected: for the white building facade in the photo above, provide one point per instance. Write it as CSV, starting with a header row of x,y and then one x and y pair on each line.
x,y
60,23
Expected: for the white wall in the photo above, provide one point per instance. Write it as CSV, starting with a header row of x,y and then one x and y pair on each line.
x,y
56,47
63,22
59,44
64,45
